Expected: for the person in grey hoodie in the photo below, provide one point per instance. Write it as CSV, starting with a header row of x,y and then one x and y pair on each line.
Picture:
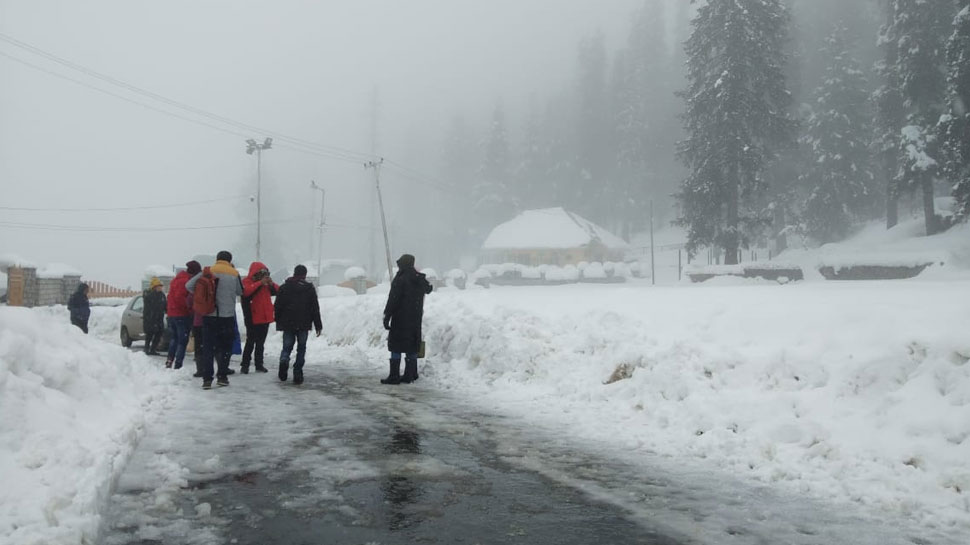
x,y
218,329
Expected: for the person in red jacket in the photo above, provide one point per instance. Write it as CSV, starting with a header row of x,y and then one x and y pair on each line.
x,y
179,310
257,307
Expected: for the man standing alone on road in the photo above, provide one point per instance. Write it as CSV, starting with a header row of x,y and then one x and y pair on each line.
x,y
297,308
257,307
217,291
402,318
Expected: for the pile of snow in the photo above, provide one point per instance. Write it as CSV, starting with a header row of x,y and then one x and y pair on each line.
x,y
352,273
73,409
905,245
57,270
849,392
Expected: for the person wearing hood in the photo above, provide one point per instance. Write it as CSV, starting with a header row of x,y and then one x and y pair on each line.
x,y
297,308
180,315
79,307
153,315
402,318
257,307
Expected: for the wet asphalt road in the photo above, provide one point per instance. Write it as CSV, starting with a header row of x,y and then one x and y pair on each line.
x,y
388,466
343,459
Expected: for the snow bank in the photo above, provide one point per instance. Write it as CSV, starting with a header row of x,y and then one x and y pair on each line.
x,y
852,392
73,408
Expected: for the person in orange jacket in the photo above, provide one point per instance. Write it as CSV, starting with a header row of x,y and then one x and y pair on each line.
x,y
257,306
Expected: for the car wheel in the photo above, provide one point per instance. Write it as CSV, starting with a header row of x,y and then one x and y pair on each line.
x,y
125,338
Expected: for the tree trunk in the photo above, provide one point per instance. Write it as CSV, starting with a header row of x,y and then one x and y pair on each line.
x,y
929,210
731,241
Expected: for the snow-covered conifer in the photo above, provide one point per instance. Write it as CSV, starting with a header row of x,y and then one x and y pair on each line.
x,y
736,118
839,180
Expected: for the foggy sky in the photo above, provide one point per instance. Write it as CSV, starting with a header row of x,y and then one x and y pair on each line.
x,y
307,69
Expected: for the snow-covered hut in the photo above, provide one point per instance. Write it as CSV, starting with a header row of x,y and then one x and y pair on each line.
x,y
551,236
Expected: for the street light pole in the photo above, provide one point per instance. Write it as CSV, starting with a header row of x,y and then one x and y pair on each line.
x,y
323,197
376,165
251,147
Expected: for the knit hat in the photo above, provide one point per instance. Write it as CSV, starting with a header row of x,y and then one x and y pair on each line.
x,y
224,255
406,261
154,283
299,272
193,267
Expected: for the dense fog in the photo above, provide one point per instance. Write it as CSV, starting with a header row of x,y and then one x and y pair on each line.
x,y
123,125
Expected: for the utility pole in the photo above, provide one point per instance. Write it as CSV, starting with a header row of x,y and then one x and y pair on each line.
x,y
376,165
372,235
653,269
251,147
323,197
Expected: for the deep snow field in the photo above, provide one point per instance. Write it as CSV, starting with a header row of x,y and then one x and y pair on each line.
x,y
854,393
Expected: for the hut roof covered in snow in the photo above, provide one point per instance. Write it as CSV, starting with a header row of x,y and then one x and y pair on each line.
x,y
550,228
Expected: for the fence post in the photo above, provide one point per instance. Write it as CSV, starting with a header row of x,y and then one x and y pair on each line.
x,y
680,267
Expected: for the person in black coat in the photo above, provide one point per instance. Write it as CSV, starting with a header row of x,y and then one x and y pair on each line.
x,y
79,307
297,309
153,316
402,318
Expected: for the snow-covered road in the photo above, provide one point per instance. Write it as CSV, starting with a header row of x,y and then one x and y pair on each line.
x,y
343,459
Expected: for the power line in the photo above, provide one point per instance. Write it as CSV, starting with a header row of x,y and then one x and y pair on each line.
x,y
83,228
333,151
122,208
299,145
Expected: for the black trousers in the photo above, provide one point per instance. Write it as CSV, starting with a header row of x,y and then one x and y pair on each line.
x,y
153,338
197,343
255,339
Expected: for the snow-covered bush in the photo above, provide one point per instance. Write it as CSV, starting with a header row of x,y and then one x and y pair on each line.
x,y
353,273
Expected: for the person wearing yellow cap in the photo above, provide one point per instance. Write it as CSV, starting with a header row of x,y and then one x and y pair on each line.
x,y
153,315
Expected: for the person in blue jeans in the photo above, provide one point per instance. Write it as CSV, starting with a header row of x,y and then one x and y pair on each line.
x,y
297,309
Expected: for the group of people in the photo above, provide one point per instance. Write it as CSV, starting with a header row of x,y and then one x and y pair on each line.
x,y
201,302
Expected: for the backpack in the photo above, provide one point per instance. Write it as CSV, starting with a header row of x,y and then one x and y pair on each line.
x,y
204,297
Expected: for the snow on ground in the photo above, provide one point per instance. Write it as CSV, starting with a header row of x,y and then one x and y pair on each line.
x,y
73,409
849,392
852,392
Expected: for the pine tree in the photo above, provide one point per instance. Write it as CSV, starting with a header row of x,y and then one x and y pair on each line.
x,y
955,127
492,197
890,115
918,32
593,159
839,179
736,119
642,116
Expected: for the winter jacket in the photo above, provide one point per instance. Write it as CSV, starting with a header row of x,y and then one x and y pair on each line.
x,y
405,307
79,306
178,300
257,304
153,314
228,288
297,306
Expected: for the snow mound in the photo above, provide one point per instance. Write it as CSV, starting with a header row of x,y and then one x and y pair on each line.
x,y
73,409
849,392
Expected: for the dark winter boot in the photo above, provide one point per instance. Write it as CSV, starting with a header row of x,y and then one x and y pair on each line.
x,y
297,377
168,364
284,368
244,368
395,375
410,370
261,369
